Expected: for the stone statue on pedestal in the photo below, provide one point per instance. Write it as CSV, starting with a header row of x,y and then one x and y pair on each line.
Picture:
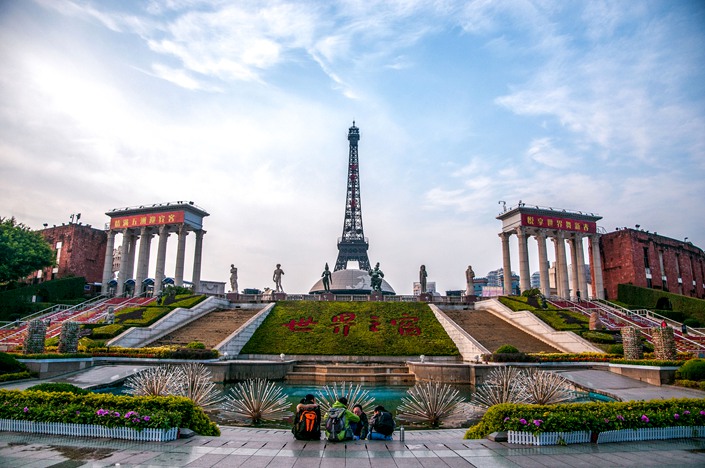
x,y
277,278
233,278
376,276
422,278
470,280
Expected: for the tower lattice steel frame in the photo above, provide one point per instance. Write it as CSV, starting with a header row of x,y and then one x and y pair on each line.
x,y
353,244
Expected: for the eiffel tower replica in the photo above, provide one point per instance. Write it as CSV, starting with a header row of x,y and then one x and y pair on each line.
x,y
353,244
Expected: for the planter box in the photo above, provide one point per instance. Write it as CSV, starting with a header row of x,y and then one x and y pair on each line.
x,y
89,430
549,438
651,433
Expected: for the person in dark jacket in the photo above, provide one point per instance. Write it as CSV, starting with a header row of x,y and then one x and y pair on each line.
x,y
382,424
360,429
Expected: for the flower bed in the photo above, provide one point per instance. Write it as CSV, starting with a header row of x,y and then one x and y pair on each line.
x,y
652,419
89,430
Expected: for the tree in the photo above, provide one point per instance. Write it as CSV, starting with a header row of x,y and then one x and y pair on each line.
x,y
22,251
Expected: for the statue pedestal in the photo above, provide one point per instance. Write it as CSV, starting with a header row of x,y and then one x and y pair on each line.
x,y
376,296
469,299
233,297
280,296
327,296
425,297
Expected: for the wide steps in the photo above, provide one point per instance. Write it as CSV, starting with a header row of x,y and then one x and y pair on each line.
x,y
379,374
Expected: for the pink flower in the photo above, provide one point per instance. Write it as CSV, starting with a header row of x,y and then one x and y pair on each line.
x,y
686,412
506,419
702,413
607,420
537,422
523,421
78,413
676,416
146,418
620,417
644,418
25,409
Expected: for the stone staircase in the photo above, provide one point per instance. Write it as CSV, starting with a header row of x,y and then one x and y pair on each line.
x,y
492,332
210,329
369,373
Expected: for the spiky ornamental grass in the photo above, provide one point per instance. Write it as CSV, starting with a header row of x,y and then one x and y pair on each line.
x,y
429,403
545,388
502,385
353,392
197,385
155,381
256,400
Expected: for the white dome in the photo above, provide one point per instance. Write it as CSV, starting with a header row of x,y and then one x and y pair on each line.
x,y
350,282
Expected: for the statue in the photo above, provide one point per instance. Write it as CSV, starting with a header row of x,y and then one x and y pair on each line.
x,y
233,278
376,276
470,279
422,278
326,278
277,278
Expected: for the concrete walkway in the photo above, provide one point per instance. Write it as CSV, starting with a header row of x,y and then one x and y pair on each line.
x,y
241,447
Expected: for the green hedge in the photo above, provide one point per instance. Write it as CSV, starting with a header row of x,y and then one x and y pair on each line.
x,y
594,417
107,331
16,303
15,376
563,320
647,298
375,328
163,412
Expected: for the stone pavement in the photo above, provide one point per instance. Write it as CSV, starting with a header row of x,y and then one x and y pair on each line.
x,y
246,447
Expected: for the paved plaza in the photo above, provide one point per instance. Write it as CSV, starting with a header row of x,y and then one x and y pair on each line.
x,y
243,447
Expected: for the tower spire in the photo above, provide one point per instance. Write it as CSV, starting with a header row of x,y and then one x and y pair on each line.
x,y
353,244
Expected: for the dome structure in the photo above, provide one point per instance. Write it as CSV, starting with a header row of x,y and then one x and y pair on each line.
x,y
350,282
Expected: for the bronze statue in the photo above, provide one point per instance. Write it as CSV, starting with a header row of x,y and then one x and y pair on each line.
x,y
422,278
376,276
277,278
326,278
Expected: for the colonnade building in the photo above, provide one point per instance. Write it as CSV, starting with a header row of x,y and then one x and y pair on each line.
x,y
142,224
560,226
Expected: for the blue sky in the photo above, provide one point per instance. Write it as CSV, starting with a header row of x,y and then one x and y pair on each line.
x,y
244,107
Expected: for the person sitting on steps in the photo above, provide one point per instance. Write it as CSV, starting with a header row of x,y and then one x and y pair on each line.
x,y
382,424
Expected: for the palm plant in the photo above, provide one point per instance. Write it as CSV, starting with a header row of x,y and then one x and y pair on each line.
x,y
353,392
502,385
545,388
256,400
155,381
429,403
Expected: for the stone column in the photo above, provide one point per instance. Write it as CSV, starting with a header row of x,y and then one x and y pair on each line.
x,y
124,263
161,258
197,255
524,275
108,266
143,260
180,255
506,263
582,279
131,255
561,266
597,283
540,237
574,284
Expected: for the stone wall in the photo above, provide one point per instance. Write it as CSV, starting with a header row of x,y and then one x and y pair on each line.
x,y
34,342
664,343
631,341
68,339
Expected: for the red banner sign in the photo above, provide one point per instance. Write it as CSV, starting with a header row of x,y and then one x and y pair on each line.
x,y
151,219
564,224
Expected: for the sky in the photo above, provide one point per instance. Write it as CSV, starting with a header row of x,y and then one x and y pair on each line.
x,y
244,109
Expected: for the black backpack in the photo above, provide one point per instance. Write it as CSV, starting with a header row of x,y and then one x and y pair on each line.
x,y
384,423
307,424
335,424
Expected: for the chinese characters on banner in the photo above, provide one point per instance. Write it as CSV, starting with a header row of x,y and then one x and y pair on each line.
x,y
152,219
341,323
551,222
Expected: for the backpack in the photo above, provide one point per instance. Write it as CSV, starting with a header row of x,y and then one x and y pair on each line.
x,y
335,424
384,424
307,425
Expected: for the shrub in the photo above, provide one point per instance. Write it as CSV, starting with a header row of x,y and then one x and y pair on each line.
x,y
508,357
59,387
691,323
196,345
598,337
692,370
616,349
507,349
15,376
107,331
10,365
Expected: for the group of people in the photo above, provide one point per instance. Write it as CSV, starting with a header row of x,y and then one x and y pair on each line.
x,y
340,423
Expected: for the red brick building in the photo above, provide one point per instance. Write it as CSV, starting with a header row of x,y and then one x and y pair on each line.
x,y
652,261
80,251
